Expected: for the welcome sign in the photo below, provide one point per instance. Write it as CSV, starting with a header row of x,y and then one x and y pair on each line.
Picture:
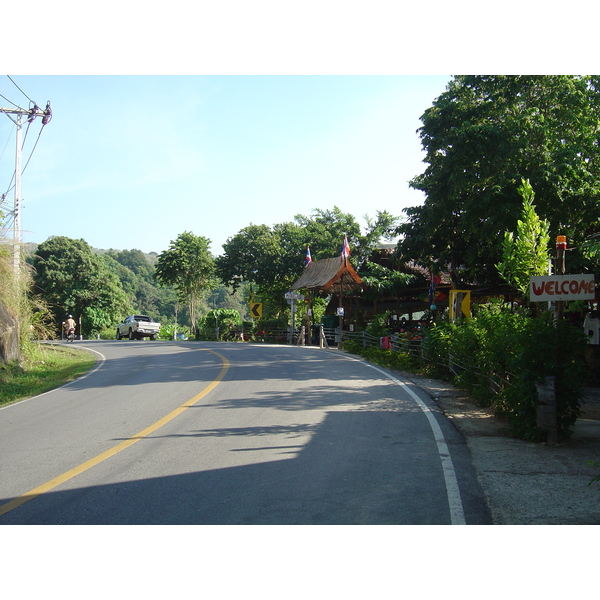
x,y
561,288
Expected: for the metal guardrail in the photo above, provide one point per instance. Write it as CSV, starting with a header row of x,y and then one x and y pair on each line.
x,y
297,337
496,381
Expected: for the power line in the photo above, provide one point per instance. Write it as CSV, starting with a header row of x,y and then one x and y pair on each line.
x,y
34,147
5,145
5,98
7,225
22,92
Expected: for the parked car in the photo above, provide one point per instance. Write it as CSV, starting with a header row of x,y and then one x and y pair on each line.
x,y
136,327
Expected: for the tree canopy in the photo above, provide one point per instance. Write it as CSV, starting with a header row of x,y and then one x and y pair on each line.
x,y
188,266
484,135
73,279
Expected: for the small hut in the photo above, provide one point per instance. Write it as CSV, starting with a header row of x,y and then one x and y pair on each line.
x,y
332,276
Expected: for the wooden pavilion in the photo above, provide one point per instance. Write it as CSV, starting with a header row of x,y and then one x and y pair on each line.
x,y
332,276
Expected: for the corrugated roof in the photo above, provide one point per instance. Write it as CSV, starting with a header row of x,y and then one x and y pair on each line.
x,y
330,275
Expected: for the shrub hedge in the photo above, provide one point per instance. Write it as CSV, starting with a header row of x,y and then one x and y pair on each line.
x,y
498,357
502,355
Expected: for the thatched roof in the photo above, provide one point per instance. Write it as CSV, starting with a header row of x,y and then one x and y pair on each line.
x,y
330,275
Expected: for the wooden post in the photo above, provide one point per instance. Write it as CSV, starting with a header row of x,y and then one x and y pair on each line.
x,y
561,246
341,309
308,319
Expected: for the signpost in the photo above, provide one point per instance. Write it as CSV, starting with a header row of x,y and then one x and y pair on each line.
x,y
291,297
558,288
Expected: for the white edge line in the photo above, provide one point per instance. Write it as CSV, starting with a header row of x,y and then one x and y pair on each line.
x,y
96,368
457,513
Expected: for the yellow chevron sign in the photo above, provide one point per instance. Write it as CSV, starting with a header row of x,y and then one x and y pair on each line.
x,y
255,310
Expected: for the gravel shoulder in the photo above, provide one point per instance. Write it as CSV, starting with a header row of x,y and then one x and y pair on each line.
x,y
527,483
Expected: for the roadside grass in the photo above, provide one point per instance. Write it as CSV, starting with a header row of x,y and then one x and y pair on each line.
x,y
43,368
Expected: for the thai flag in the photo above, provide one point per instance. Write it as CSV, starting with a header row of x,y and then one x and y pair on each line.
x,y
345,248
308,259
435,280
431,290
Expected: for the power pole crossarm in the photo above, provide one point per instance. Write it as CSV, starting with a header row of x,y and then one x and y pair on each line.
x,y
31,113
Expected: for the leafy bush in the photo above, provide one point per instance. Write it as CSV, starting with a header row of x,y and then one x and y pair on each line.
x,y
544,349
168,330
379,326
108,333
499,356
478,351
227,320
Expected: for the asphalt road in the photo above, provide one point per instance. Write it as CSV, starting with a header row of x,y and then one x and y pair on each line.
x,y
233,433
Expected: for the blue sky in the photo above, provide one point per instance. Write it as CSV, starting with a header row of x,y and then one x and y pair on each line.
x,y
207,117
133,161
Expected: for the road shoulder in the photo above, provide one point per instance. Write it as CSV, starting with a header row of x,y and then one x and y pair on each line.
x,y
527,483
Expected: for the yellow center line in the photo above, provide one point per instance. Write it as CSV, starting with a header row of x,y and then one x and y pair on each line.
x,y
45,487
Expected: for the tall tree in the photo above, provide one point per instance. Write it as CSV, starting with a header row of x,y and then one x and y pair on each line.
x,y
482,136
250,255
188,266
525,254
71,278
255,255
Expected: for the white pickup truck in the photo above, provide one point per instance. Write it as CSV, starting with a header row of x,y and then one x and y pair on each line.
x,y
136,327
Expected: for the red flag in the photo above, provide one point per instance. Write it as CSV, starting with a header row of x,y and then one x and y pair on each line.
x,y
308,259
345,248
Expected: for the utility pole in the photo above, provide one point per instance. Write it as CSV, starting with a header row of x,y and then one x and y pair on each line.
x,y
31,113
